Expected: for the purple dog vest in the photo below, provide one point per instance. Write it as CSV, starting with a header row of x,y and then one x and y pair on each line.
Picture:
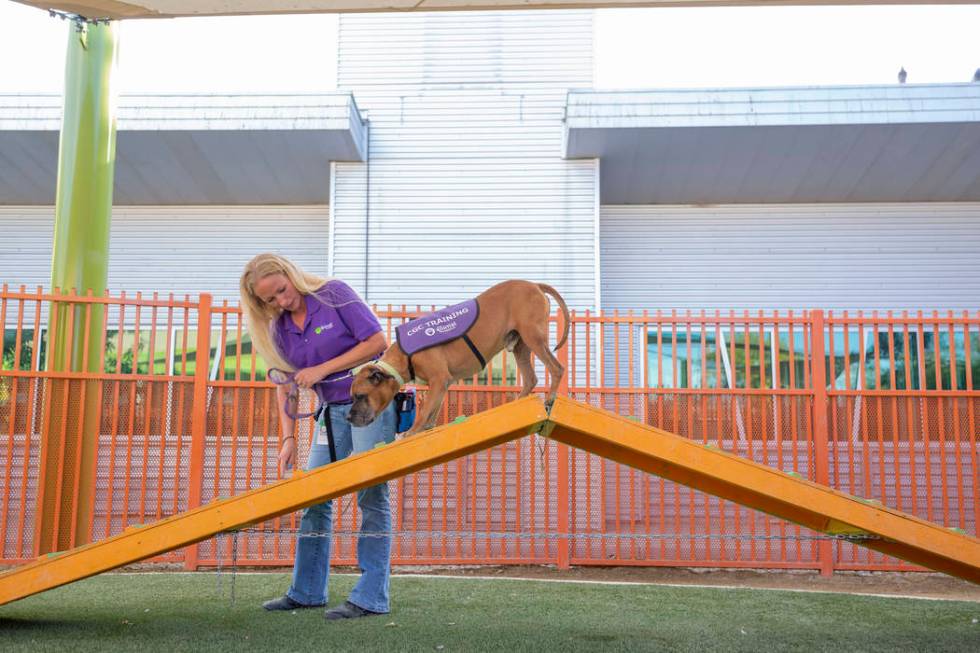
x,y
439,328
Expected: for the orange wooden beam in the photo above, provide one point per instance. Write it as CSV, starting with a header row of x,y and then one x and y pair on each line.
x,y
579,425
482,431
764,488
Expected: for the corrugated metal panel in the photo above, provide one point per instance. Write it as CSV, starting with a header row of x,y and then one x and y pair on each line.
x,y
467,184
834,256
805,105
170,112
841,144
25,245
472,48
184,250
192,149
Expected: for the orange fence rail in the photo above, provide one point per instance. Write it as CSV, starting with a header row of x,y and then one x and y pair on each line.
x,y
880,406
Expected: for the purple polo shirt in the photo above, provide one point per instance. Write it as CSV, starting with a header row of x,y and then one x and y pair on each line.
x,y
333,326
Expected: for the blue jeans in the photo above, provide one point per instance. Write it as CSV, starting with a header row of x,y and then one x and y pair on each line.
x,y
311,570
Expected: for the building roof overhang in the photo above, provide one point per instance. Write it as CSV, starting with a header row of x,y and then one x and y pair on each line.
x,y
173,8
896,143
192,149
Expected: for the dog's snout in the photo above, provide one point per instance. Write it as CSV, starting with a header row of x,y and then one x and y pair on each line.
x,y
357,418
360,413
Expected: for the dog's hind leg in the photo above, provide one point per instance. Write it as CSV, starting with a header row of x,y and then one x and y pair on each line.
x,y
523,357
537,341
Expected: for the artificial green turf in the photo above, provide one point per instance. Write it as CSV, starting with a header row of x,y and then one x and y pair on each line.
x,y
191,612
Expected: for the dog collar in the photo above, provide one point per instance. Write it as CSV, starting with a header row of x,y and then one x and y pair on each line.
x,y
387,367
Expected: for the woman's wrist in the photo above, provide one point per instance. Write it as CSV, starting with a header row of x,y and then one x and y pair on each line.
x,y
289,437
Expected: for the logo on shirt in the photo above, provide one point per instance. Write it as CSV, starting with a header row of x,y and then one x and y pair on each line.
x,y
323,327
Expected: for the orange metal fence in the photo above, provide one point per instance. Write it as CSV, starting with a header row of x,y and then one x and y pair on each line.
x,y
880,406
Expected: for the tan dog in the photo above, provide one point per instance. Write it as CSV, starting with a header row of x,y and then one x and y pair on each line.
x,y
512,314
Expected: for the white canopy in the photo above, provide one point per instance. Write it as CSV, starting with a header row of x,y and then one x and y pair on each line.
x,y
173,8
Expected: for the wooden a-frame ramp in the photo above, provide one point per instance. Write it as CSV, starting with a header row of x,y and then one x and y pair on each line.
x,y
579,425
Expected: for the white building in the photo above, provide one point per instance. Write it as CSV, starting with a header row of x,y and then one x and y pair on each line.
x,y
465,148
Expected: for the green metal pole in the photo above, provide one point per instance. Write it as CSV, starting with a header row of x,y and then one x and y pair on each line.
x,y
86,163
80,261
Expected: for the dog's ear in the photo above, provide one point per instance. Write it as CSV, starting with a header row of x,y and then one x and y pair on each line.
x,y
374,374
378,376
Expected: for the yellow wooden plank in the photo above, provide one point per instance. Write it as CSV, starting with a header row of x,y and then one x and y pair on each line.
x,y
764,488
579,425
481,431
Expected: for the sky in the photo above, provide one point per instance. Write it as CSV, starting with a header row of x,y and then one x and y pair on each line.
x,y
634,48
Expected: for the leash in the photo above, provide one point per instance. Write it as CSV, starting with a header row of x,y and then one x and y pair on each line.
x,y
328,425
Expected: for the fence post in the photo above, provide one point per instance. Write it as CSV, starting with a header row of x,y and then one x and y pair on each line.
x,y
199,417
821,458
564,504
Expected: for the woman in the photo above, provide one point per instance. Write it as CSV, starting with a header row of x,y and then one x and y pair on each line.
x,y
321,329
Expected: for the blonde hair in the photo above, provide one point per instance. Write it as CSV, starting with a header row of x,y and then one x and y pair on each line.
x,y
260,315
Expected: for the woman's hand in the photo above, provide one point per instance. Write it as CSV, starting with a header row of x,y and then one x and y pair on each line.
x,y
310,376
287,455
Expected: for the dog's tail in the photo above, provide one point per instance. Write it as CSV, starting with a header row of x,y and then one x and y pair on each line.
x,y
548,290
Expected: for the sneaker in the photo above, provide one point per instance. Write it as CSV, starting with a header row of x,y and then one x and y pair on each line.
x,y
348,611
286,603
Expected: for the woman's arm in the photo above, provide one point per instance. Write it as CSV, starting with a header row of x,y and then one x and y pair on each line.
x,y
359,353
287,425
